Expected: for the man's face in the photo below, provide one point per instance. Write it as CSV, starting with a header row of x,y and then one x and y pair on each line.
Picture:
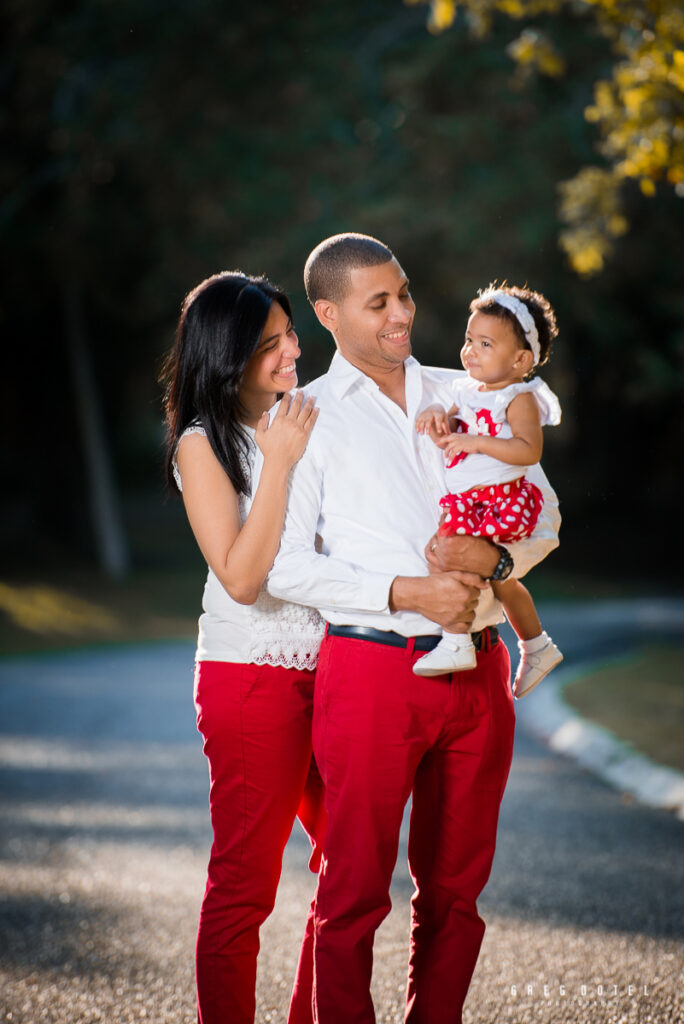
x,y
375,318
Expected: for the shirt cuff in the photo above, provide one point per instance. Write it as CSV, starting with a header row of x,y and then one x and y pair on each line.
x,y
370,593
377,592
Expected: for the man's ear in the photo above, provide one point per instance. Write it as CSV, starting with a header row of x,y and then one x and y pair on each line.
x,y
525,361
326,311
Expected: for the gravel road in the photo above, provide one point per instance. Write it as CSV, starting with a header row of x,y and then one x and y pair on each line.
x,y
104,839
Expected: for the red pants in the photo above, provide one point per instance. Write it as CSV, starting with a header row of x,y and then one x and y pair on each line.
x,y
256,724
381,733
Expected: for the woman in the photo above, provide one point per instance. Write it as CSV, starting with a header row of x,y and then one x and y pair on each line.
x,y
234,355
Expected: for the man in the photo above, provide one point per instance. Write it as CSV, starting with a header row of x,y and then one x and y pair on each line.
x,y
368,485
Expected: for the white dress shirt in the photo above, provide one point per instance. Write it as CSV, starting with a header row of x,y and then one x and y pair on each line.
x,y
369,486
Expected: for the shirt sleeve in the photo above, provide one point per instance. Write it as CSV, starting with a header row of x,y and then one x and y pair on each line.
x,y
544,538
455,393
305,576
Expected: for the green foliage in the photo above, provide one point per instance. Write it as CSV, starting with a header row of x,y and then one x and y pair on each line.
x,y
639,109
147,145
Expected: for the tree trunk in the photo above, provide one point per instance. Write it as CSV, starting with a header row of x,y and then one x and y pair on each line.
x,y
110,539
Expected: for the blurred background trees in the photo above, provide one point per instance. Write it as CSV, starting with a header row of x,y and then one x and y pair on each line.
x,y
638,107
146,145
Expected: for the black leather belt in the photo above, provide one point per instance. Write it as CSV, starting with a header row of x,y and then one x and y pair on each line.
x,y
483,639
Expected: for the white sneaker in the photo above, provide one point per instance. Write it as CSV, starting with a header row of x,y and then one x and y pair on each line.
x,y
445,659
534,667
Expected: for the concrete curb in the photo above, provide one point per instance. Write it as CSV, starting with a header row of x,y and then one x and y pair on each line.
x,y
546,715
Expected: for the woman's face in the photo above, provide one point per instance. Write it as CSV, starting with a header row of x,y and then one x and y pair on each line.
x,y
272,369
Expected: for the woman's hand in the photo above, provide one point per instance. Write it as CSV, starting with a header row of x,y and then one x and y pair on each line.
x,y
433,421
286,437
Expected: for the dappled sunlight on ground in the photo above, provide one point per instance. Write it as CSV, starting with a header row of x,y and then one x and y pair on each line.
x,y
105,836
48,611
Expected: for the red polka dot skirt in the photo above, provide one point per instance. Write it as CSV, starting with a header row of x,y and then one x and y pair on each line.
x,y
500,512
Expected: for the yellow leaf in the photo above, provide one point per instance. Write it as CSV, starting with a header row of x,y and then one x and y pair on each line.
x,y
588,260
617,225
442,14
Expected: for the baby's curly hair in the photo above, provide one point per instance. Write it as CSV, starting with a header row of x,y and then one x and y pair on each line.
x,y
541,309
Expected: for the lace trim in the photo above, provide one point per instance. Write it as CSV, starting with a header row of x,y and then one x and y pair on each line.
x,y
304,660
194,428
284,633
247,462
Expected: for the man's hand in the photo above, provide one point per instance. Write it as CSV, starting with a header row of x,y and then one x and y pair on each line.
x,y
449,599
467,554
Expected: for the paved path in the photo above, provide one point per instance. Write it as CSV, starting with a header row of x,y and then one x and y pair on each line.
x,y
591,645
104,839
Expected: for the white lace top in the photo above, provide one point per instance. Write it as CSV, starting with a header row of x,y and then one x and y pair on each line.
x,y
268,632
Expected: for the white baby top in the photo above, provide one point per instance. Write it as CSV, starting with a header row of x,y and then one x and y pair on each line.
x,y
268,632
484,413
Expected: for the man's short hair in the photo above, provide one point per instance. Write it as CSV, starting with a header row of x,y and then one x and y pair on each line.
x,y
328,268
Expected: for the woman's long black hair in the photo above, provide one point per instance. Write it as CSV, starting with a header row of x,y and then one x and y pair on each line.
x,y
218,332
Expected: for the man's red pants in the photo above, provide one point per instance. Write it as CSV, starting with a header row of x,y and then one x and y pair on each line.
x,y
381,733
256,724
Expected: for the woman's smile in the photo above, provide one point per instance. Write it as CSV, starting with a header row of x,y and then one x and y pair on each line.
x,y
285,371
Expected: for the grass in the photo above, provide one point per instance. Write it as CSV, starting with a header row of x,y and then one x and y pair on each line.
x,y
640,700
161,600
72,604
83,608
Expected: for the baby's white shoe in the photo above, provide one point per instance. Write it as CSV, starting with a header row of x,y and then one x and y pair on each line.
x,y
447,658
534,666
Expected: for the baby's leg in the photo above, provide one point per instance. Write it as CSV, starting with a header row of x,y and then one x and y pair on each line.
x,y
538,653
454,653
519,607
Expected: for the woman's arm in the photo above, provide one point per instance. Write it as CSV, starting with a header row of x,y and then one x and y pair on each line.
x,y
240,557
523,449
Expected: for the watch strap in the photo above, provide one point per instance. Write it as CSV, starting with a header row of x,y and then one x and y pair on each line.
x,y
504,566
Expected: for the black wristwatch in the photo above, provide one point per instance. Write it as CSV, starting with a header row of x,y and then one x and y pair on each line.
x,y
504,566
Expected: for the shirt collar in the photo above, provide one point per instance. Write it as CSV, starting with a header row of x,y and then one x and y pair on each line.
x,y
343,375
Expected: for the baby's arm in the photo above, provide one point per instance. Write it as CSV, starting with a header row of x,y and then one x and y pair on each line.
x,y
523,449
434,420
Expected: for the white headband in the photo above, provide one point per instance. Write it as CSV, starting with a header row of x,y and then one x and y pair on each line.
x,y
521,314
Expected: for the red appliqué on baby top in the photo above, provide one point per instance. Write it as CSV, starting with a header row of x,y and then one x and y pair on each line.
x,y
486,425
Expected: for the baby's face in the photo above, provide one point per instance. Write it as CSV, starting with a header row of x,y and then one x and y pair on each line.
x,y
492,353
